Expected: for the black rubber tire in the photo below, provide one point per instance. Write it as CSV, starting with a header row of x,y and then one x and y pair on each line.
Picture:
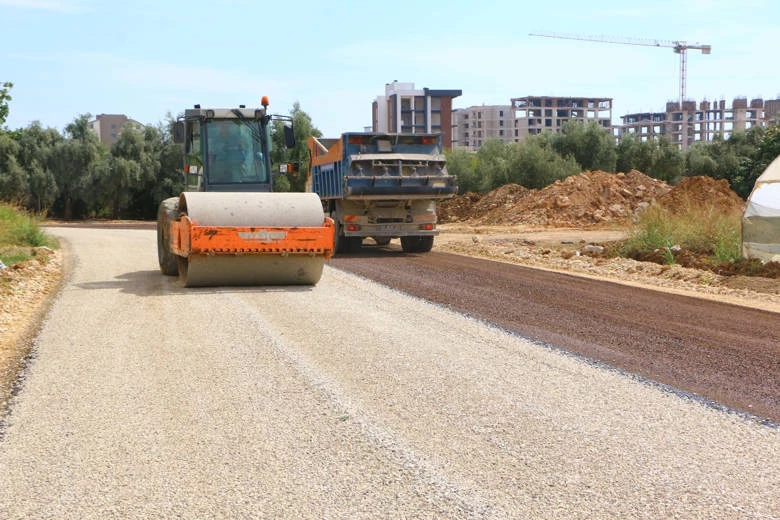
x,y
340,242
417,244
354,244
425,244
166,213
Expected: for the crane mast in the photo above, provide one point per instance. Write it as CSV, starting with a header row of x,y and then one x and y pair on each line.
x,y
679,47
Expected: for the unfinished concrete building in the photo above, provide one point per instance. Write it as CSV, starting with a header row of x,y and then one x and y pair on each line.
x,y
535,114
472,126
687,124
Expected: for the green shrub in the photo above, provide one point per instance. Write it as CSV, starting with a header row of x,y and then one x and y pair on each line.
x,y
19,232
705,231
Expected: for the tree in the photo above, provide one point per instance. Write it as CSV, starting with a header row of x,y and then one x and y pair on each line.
x,y
657,158
73,160
752,167
43,187
9,148
14,187
591,145
538,165
303,127
462,164
13,180
494,165
36,154
5,97
161,171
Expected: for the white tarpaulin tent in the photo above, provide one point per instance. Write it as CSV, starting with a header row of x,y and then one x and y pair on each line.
x,y
761,221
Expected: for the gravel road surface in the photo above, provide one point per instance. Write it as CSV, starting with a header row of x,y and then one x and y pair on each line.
x,y
725,353
346,400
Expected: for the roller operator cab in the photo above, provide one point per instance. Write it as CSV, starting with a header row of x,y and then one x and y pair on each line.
x,y
228,227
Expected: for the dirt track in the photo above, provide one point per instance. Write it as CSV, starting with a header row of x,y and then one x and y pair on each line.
x,y
723,353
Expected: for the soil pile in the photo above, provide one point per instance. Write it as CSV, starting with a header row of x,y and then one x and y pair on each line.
x,y
458,208
589,199
703,193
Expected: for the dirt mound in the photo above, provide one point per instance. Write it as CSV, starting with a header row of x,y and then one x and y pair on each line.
x,y
495,206
588,199
457,209
703,193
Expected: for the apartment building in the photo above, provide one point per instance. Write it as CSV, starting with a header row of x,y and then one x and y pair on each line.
x,y
536,114
474,125
404,109
686,124
109,126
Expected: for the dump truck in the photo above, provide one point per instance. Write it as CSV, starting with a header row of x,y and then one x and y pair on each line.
x,y
228,227
382,186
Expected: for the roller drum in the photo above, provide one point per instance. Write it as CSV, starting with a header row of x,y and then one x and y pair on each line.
x,y
251,210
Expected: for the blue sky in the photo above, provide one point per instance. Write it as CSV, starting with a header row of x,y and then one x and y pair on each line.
x,y
148,58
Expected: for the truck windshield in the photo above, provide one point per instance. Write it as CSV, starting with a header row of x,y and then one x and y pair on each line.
x,y
234,152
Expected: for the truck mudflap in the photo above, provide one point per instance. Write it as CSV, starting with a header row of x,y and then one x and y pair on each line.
x,y
189,238
399,187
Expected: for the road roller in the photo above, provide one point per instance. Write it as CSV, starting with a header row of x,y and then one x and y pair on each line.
x,y
228,226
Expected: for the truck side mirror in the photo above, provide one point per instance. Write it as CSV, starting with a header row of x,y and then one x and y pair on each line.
x,y
178,132
289,136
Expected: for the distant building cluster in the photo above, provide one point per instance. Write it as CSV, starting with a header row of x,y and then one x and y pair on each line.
x,y
405,109
109,126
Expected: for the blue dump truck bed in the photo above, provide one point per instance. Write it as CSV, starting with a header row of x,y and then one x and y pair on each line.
x,y
380,166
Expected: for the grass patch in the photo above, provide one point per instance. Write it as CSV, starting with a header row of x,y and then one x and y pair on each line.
x,y
20,233
702,231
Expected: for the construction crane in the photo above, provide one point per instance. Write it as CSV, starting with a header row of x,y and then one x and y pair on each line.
x,y
680,47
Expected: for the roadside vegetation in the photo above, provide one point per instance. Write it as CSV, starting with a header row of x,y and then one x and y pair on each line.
x,y
20,235
707,233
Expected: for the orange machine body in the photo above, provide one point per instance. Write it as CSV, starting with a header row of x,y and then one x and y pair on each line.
x,y
188,237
